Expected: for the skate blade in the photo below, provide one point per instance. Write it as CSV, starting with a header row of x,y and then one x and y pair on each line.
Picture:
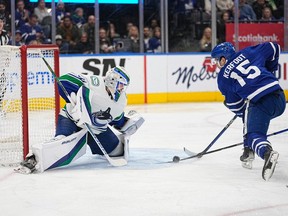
x,y
267,173
247,164
22,170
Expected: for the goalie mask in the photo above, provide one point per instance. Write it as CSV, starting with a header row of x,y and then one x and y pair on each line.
x,y
116,81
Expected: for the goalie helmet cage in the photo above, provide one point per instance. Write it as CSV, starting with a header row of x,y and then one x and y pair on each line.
x,y
29,101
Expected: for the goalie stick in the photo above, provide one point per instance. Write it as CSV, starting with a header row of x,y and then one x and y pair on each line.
x,y
193,155
113,161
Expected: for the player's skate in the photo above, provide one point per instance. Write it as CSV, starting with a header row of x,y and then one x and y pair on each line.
x,y
270,158
27,166
247,158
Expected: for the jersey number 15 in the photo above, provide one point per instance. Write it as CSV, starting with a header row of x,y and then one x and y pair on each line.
x,y
253,72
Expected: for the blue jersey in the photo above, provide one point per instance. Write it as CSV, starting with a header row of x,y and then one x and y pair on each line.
x,y
29,32
249,75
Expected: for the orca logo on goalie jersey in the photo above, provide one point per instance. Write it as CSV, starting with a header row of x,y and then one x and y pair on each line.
x,y
101,118
95,81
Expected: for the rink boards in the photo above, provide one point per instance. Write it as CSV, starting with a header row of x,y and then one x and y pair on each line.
x,y
162,78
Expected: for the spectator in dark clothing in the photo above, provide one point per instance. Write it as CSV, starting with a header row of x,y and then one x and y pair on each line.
x,y
221,26
267,15
21,14
154,24
69,32
78,17
278,12
31,30
246,12
105,43
89,28
5,16
83,46
112,33
134,37
60,12
18,39
258,7
63,46
155,41
147,37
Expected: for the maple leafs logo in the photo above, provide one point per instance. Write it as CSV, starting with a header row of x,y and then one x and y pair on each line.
x,y
207,64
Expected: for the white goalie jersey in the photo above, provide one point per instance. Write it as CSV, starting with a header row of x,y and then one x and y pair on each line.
x,y
94,105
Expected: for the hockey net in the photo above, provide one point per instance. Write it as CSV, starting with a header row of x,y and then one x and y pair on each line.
x,y
29,103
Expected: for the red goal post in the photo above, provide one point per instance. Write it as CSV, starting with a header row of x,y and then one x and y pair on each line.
x,y
29,101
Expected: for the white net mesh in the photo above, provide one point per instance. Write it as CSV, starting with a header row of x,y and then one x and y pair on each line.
x,y
41,101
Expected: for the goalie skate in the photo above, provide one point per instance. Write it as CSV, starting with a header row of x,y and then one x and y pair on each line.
x,y
271,158
27,166
23,170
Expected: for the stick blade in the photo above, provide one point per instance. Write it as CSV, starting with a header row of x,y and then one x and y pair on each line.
x,y
188,152
117,162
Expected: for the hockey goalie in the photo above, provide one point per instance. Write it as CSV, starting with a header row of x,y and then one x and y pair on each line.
x,y
98,102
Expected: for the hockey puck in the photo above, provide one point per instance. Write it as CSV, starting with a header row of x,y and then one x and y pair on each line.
x,y
176,159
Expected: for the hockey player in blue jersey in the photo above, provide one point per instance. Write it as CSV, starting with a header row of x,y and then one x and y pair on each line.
x,y
251,90
98,102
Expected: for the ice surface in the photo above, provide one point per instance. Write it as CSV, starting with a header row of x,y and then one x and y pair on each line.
x,y
215,185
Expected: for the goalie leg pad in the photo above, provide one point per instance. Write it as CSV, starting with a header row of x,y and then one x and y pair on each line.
x,y
60,152
133,123
126,147
123,147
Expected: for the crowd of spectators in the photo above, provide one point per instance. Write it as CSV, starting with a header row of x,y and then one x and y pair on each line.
x,y
75,28
250,10
192,17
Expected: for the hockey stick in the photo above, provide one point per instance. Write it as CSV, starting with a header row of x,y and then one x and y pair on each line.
x,y
115,161
200,154
227,147
217,137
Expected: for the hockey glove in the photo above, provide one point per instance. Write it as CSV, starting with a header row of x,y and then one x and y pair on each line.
x,y
70,108
133,121
238,109
77,111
